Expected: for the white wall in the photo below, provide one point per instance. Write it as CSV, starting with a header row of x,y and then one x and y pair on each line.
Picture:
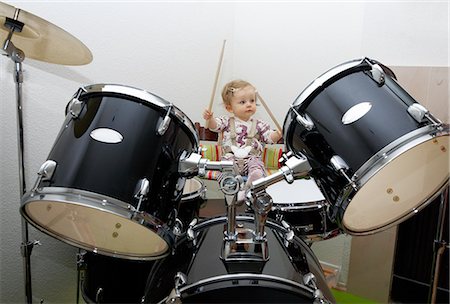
x,y
172,49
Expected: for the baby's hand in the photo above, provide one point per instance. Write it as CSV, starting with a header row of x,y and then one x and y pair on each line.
x,y
207,115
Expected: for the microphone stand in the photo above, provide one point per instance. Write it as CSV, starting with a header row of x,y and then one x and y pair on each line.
x,y
17,57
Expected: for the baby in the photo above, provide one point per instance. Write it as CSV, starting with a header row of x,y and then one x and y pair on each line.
x,y
243,137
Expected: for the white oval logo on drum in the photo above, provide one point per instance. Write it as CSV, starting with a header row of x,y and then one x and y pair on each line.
x,y
106,135
356,112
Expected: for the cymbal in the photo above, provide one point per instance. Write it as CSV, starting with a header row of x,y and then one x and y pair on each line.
x,y
42,40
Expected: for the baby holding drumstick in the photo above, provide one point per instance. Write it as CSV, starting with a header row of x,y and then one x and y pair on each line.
x,y
243,137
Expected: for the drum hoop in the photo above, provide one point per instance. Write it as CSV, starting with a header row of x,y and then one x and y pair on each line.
x,y
342,70
244,276
248,219
305,206
111,205
400,220
195,194
145,96
393,150
327,76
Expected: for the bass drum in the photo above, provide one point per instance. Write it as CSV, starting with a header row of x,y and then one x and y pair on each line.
x,y
378,155
196,273
302,205
111,184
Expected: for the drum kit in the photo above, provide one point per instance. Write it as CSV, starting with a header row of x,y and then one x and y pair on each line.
x,y
129,198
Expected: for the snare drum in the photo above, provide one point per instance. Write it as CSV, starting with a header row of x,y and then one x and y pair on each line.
x,y
111,183
302,205
376,153
196,273
193,197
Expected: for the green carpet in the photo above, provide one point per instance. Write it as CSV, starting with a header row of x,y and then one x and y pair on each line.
x,y
343,297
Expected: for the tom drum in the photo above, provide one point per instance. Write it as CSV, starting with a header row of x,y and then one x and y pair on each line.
x,y
377,154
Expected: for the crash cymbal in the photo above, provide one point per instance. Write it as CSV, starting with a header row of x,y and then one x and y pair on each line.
x,y
42,40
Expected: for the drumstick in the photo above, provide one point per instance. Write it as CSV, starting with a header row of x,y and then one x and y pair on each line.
x,y
268,111
215,81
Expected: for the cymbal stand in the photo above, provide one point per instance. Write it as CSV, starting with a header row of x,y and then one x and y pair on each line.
x,y
438,242
17,57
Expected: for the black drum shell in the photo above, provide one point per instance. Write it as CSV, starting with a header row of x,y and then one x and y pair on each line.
x,y
201,260
355,143
113,280
114,170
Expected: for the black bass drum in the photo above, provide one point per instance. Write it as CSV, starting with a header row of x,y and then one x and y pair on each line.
x,y
377,154
196,273
111,184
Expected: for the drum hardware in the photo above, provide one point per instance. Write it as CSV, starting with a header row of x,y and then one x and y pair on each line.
x,y
193,163
304,119
141,194
75,106
45,173
341,166
418,112
178,227
310,280
376,73
230,184
164,124
190,232
294,166
175,295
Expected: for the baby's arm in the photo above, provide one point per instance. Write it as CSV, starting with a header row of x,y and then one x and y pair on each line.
x,y
210,120
275,136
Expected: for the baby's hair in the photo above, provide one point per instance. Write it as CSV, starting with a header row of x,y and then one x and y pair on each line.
x,y
231,87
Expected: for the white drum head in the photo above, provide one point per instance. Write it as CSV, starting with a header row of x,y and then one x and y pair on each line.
x,y
400,188
95,229
300,191
191,186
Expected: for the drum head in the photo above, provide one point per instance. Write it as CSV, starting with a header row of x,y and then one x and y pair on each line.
x,y
101,228
400,188
302,192
192,188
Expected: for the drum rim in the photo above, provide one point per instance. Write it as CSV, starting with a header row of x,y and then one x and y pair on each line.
x,y
144,95
318,83
401,219
305,206
383,158
93,200
395,149
200,192
276,226
241,277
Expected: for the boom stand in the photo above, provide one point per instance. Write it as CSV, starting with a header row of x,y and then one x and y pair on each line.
x,y
17,57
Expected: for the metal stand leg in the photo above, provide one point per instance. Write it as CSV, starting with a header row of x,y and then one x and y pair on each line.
x,y
17,57
439,248
26,246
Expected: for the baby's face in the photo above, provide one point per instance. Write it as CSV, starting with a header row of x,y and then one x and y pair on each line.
x,y
243,103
